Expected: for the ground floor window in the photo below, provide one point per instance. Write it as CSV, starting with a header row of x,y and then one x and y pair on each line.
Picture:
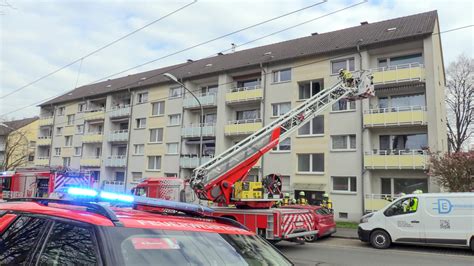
x,y
313,197
395,186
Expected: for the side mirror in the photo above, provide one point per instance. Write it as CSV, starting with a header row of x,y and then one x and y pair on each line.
x,y
388,212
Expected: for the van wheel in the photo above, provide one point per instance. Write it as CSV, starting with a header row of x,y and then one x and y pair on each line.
x,y
380,239
472,244
310,238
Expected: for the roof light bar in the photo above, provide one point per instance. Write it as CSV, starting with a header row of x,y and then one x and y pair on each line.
x,y
77,191
172,205
115,196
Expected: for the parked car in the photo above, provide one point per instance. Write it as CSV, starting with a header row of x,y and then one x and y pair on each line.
x,y
324,218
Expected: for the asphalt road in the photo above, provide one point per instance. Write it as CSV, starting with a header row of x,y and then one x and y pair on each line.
x,y
337,251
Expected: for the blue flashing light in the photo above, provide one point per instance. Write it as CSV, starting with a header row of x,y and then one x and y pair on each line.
x,y
172,205
115,197
77,191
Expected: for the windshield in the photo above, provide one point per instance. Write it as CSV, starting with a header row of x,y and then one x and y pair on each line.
x,y
139,246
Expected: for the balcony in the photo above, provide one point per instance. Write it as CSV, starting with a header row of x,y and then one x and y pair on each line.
x,y
405,159
375,202
94,114
399,73
42,161
45,121
93,161
243,127
113,186
244,94
410,115
92,137
43,141
120,111
206,99
118,135
192,161
191,131
116,161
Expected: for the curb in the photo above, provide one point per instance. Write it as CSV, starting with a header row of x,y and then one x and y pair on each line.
x,y
345,237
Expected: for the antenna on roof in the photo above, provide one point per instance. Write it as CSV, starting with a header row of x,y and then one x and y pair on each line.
x,y
364,23
233,47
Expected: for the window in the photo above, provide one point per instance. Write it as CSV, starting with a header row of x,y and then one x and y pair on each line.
x,y
284,145
32,144
138,149
344,142
344,184
80,129
156,135
402,206
68,141
154,162
210,118
59,130
77,151
61,110
70,120
408,185
344,105
57,151
31,157
171,175
401,60
140,123
343,215
307,89
19,240
249,84
347,64
282,75
311,163
119,176
68,244
98,152
81,107
176,92
158,108
172,148
211,89
399,143
142,97
286,183
248,114
67,161
314,127
174,120
386,184
280,108
136,176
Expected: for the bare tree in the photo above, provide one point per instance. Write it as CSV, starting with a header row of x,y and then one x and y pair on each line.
x,y
453,171
460,101
16,150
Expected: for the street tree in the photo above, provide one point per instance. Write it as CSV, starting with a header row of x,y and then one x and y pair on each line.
x,y
460,102
16,150
453,171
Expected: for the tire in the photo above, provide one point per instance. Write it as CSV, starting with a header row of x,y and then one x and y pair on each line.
x,y
310,238
380,239
472,244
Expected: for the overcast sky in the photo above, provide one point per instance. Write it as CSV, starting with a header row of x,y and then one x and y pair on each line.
x,y
37,37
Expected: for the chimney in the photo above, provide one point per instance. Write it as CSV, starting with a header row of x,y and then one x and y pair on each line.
x,y
233,47
220,53
189,60
364,23
314,33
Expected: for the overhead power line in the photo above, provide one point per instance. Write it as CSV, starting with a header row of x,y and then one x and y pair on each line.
x,y
97,50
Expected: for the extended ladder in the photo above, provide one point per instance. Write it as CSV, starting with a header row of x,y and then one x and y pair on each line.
x,y
259,141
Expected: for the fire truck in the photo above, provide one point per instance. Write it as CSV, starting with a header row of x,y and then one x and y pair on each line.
x,y
222,180
41,181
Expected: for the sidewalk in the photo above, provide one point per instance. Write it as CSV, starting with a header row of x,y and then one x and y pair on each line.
x,y
346,233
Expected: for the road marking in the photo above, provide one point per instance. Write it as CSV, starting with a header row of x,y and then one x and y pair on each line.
x,y
391,250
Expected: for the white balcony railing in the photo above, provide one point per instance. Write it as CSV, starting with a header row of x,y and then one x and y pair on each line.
x,y
113,186
192,161
194,130
120,111
206,99
245,121
118,135
116,161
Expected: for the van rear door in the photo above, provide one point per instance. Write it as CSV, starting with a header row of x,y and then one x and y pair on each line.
x,y
403,222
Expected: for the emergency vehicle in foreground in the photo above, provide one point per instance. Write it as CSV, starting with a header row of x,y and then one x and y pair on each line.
x,y
44,231
222,180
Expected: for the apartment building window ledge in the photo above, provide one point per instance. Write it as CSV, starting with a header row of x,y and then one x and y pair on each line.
x,y
173,125
348,150
343,111
278,152
310,136
310,173
336,192
139,128
159,142
70,125
138,154
56,155
280,82
171,154
160,115
153,170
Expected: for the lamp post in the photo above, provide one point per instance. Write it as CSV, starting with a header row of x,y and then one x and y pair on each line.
x,y
201,122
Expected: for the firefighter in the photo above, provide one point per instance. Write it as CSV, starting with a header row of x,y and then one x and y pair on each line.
x,y
327,203
301,199
346,77
413,205
286,199
418,191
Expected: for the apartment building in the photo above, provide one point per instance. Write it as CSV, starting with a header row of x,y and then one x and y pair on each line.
x,y
143,125
18,143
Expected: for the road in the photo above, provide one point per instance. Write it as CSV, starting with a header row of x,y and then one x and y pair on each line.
x,y
337,251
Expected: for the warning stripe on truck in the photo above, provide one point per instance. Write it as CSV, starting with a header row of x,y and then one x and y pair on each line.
x,y
292,222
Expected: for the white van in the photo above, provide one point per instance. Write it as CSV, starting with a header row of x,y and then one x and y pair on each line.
x,y
444,219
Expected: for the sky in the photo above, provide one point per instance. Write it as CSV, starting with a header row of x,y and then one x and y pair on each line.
x,y
38,37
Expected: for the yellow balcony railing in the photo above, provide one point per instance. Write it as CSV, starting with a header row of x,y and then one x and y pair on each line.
x,y
92,137
397,116
96,114
42,161
91,161
399,73
243,127
375,202
43,141
45,121
405,159
244,94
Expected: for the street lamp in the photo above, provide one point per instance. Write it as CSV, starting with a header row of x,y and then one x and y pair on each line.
x,y
201,122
